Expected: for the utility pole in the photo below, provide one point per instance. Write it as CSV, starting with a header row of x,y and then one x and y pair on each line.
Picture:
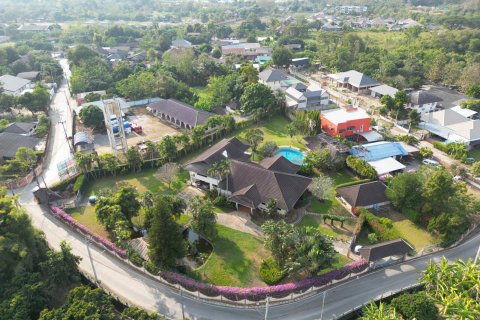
x,y
66,136
266,307
477,256
181,300
323,303
87,241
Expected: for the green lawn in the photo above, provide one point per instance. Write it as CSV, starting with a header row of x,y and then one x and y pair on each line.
x,y
474,153
143,181
325,228
341,177
86,216
275,129
235,259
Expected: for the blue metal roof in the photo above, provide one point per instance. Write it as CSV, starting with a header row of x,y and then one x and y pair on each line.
x,y
378,150
81,138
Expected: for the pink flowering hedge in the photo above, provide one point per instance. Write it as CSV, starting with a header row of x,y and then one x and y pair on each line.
x,y
66,217
260,293
232,293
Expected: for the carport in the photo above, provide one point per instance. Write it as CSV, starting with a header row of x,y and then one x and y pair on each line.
x,y
374,254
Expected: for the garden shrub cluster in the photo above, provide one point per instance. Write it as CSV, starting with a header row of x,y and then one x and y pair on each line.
x,y
261,293
457,150
385,231
42,126
359,224
361,167
270,272
415,306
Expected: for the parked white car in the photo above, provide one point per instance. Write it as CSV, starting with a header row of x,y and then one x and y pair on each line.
x,y
430,162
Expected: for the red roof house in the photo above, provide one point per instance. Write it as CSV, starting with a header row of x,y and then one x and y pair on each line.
x,y
345,122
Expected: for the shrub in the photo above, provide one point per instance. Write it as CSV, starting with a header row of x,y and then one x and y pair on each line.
x,y
61,186
359,224
386,222
383,232
412,215
372,238
134,257
221,201
268,149
415,306
270,272
150,267
361,167
79,183
440,146
353,183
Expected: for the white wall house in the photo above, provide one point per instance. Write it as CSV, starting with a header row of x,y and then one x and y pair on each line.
x,y
14,86
423,101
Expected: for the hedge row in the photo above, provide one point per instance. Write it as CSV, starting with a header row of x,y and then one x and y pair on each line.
x,y
261,293
361,167
359,224
353,183
79,183
383,231
440,146
66,217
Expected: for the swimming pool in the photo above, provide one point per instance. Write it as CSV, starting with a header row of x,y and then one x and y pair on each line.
x,y
293,155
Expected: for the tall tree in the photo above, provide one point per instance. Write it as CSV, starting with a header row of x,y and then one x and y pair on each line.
x,y
203,217
278,238
164,238
282,56
256,96
134,159
92,116
168,173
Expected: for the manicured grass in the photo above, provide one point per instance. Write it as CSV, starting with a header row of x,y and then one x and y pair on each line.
x,y
143,181
86,216
325,228
235,259
275,129
327,205
341,177
415,235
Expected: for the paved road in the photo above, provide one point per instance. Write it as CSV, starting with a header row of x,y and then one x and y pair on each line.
x,y
152,295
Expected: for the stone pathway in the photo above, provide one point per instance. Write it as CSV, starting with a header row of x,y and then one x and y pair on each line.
x,y
239,221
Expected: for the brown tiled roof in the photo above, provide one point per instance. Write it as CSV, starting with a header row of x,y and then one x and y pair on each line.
x,y
285,188
181,111
247,196
385,249
279,163
234,149
365,194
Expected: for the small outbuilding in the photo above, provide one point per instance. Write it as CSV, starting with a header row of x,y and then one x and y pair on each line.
x,y
365,195
390,249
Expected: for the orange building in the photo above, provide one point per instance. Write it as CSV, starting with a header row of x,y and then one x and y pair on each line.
x,y
345,122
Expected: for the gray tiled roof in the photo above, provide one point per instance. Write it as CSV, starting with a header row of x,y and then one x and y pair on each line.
x,y
272,75
29,75
10,142
181,111
20,127
385,249
12,83
365,194
356,78
423,97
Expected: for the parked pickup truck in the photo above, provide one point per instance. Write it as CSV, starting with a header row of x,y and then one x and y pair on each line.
x,y
136,127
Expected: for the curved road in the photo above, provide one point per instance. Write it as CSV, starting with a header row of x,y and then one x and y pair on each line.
x,y
150,294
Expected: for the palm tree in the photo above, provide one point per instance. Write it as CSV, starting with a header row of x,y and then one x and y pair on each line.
x,y
215,171
254,137
151,150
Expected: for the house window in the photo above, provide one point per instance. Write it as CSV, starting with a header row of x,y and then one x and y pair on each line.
x,y
351,128
341,131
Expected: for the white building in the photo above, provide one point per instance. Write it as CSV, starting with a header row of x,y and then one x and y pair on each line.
x,y
14,86
422,101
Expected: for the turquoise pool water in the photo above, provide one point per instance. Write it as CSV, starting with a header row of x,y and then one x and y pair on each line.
x,y
293,155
